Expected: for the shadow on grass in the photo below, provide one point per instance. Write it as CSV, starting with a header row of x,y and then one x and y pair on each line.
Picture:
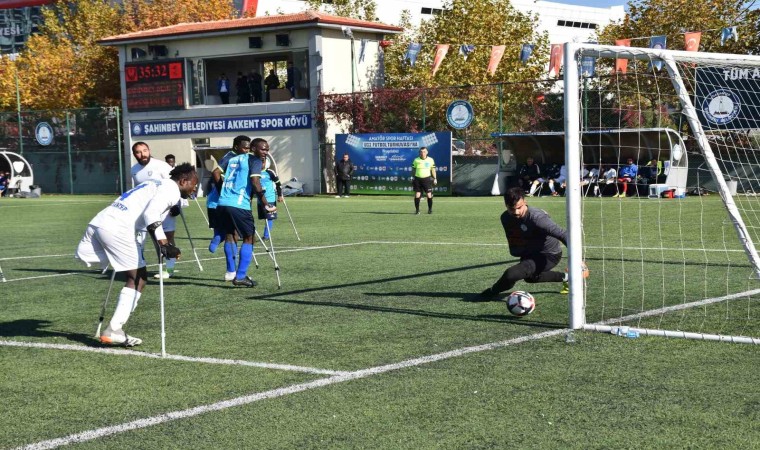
x,y
36,328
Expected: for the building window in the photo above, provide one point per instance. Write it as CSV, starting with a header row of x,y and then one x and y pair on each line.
x,y
570,24
273,77
431,11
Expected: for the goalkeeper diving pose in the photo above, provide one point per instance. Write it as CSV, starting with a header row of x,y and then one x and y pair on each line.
x,y
535,239
110,237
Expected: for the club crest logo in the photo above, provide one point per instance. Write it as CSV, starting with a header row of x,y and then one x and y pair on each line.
x,y
524,227
721,106
44,133
136,129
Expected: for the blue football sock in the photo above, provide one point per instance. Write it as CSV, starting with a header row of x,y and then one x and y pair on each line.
x,y
268,229
215,241
246,255
230,248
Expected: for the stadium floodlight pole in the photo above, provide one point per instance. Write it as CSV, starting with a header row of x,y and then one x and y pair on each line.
x,y
192,246
284,203
103,308
274,258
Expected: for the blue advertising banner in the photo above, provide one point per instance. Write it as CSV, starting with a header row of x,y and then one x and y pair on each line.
x,y
383,161
727,97
221,125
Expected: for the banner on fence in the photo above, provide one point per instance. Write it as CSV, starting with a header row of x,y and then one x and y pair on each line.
x,y
383,161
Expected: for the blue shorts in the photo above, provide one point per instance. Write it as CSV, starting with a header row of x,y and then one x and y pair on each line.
x,y
231,219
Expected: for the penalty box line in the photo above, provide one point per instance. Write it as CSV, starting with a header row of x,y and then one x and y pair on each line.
x,y
280,392
123,352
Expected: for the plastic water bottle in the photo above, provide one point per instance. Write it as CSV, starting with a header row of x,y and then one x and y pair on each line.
x,y
625,332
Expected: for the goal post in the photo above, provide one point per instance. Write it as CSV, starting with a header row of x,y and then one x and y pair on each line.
x,y
683,266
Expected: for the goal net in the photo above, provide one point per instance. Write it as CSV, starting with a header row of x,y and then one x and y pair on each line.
x,y
670,233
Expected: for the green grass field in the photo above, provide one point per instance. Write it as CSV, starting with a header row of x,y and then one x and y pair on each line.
x,y
369,344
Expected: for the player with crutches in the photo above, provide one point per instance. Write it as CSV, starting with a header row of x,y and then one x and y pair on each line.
x,y
110,239
271,162
272,193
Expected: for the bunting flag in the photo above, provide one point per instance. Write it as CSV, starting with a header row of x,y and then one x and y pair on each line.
x,y
412,52
465,50
525,52
691,41
555,60
440,53
588,66
497,51
362,49
728,33
621,64
385,44
657,43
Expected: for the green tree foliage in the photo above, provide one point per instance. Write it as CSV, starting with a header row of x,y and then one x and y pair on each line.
x,y
65,67
482,23
672,18
357,9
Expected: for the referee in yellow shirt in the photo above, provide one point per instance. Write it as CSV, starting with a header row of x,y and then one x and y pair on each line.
x,y
424,179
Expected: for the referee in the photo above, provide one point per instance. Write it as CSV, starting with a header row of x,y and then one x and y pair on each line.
x,y
424,179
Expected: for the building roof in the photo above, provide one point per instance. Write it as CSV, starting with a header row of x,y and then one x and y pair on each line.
x,y
249,24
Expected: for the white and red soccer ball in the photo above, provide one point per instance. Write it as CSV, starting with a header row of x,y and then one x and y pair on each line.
x,y
521,303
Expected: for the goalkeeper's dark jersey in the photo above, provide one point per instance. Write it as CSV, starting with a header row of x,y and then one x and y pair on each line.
x,y
535,233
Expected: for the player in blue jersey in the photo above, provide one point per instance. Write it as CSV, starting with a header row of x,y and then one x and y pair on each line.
x,y
212,200
273,193
240,180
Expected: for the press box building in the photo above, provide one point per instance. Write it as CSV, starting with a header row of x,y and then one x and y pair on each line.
x,y
170,83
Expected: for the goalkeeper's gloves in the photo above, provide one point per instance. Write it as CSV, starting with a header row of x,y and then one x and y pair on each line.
x,y
175,210
169,251
270,208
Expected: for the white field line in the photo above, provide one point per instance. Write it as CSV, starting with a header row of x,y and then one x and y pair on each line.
x,y
122,352
280,392
348,376
36,204
350,244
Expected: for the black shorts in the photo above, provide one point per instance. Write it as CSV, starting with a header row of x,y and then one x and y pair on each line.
x,y
422,184
213,218
262,213
235,219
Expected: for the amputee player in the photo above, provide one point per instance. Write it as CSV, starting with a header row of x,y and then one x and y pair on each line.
x,y
270,182
149,168
535,239
212,200
242,177
110,238
424,179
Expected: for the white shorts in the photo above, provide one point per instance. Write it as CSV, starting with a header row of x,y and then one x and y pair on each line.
x,y
121,250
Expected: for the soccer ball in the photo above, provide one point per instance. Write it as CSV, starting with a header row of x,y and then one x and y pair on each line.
x,y
521,303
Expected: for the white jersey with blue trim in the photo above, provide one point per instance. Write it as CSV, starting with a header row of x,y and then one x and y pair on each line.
x,y
145,204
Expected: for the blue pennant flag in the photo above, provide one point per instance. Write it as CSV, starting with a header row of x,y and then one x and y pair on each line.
x,y
465,50
525,52
412,52
728,33
657,42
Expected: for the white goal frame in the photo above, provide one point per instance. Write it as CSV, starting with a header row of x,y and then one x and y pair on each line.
x,y
573,54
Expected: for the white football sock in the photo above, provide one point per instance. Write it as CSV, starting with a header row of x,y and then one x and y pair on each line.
x,y
128,299
533,188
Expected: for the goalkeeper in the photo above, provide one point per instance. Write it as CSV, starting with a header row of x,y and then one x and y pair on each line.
x,y
110,238
535,239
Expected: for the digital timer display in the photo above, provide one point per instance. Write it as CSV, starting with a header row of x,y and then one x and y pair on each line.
x,y
155,85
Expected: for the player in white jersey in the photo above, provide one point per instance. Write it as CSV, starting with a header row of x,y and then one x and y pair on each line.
x,y
149,168
110,238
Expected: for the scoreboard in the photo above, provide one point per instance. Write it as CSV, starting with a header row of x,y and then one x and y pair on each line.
x,y
155,85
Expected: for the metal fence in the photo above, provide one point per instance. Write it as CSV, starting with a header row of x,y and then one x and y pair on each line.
x,y
84,156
